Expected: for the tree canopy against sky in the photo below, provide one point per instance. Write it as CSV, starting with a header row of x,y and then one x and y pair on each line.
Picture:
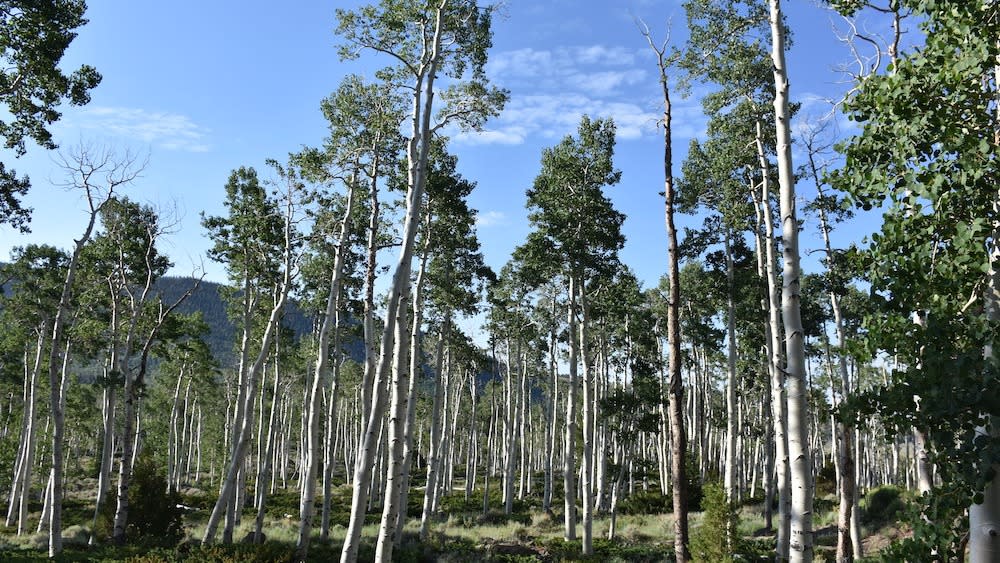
x,y
592,62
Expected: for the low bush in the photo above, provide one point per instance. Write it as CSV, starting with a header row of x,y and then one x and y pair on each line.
x,y
882,505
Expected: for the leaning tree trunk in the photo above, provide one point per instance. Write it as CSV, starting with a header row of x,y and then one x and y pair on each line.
x,y
418,150
55,382
800,538
244,430
313,453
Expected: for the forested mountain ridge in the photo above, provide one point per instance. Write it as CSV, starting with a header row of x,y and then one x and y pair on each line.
x,y
207,299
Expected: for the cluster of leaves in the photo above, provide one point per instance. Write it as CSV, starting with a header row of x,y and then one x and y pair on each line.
x,y
929,156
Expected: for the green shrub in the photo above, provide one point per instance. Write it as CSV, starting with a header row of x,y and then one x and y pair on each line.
x,y
153,515
649,502
719,521
882,505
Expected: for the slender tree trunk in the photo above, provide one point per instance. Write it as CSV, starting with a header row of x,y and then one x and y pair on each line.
x,y
418,150
21,492
411,392
587,484
800,538
984,518
313,454
569,450
675,386
55,383
731,401
244,427
397,418
434,452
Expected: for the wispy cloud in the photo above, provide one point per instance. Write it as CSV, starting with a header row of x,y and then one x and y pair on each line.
x,y
170,131
552,88
490,219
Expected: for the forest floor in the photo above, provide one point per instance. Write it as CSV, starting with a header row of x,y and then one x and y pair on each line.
x,y
461,533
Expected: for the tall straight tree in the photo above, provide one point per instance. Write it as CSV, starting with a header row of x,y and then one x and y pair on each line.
x,y
675,386
449,38
800,536
579,231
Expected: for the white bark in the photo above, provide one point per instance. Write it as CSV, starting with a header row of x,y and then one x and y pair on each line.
x,y
589,413
386,540
312,450
569,444
800,537
244,427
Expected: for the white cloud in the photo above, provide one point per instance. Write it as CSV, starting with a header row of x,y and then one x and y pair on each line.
x,y
490,219
170,131
552,88
599,54
511,135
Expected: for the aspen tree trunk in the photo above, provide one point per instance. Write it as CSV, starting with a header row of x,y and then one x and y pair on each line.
x,y
779,406
43,520
313,444
767,417
173,440
55,383
569,450
266,463
14,504
471,460
847,519
21,486
490,446
434,452
333,430
800,537
371,269
550,426
244,427
984,519
587,484
411,392
418,149
133,384
523,436
678,445
397,419
731,430
510,414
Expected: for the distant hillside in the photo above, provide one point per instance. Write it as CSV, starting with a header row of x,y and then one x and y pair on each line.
x,y
222,332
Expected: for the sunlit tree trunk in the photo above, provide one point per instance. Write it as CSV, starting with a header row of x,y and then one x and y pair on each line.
x,y
800,537
569,444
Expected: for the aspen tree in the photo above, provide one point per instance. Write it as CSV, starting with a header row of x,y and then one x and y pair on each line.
x,y
800,536
97,173
570,186
445,38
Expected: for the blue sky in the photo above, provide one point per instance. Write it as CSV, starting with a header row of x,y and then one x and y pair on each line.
x,y
205,87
